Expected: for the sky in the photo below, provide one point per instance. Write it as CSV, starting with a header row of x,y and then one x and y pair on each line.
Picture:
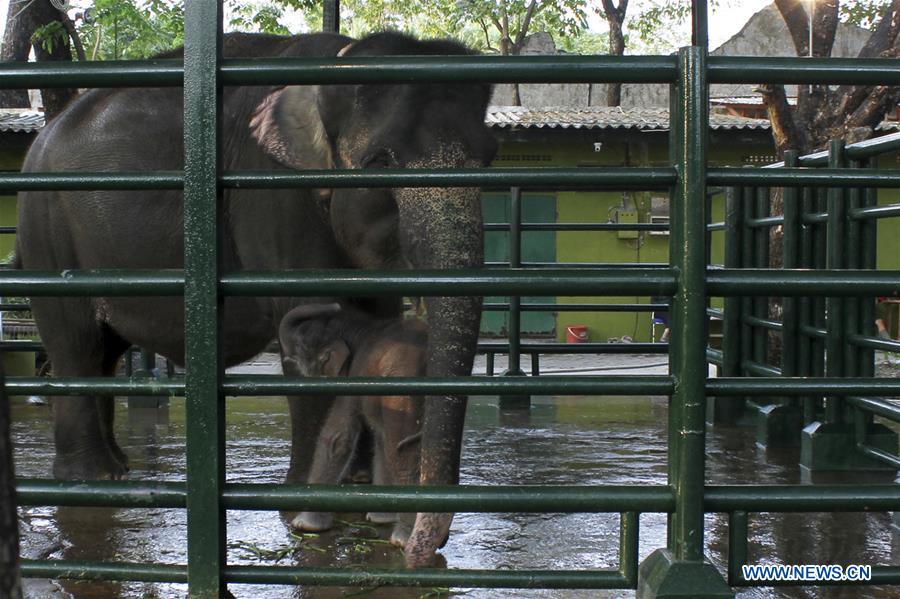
x,y
723,23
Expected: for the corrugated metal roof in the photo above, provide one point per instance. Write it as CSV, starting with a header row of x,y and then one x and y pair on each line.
x,y
752,100
602,117
20,120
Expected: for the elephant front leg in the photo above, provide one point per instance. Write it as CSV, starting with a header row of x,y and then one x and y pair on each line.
x,y
308,416
333,455
85,449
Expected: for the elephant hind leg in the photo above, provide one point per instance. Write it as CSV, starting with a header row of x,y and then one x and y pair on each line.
x,y
80,346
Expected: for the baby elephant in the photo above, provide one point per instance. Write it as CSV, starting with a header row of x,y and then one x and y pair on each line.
x,y
326,340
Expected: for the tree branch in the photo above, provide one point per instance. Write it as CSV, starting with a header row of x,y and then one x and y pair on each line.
x,y
526,23
784,129
73,35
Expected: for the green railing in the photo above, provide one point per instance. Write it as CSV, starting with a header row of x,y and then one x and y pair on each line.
x,y
687,279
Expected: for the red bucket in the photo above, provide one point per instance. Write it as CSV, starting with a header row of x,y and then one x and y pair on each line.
x,y
577,333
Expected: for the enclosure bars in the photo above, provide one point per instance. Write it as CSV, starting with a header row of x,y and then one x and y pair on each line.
x,y
204,367
508,282
849,243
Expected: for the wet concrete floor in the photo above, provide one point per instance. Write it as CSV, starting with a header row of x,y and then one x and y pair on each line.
x,y
562,440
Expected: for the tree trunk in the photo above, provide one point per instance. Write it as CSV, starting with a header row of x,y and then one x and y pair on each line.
x,y
615,17
17,42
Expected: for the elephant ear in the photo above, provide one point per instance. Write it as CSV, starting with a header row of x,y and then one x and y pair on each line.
x,y
289,128
334,359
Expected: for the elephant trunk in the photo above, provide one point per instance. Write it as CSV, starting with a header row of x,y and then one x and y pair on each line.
x,y
442,229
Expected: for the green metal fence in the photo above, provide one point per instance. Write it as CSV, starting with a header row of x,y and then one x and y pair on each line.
x,y
687,279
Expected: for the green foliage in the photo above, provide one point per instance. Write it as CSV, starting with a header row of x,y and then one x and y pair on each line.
x,y
49,35
132,29
560,18
863,13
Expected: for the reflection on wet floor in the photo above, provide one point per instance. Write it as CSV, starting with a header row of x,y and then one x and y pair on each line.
x,y
566,441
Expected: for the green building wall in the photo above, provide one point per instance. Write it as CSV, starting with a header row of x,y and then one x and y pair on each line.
x,y
573,207
599,207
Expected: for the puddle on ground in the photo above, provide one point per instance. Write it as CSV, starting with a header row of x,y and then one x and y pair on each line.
x,y
561,441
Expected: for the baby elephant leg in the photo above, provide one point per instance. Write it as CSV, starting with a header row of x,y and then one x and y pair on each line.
x,y
400,436
334,451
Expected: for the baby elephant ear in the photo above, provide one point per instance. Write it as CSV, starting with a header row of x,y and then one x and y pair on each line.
x,y
289,128
335,359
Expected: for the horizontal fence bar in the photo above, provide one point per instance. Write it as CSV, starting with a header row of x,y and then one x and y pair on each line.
x,y
766,323
579,227
95,386
530,282
768,221
107,73
15,308
605,178
803,177
802,498
879,454
876,406
463,498
800,282
468,498
577,348
753,69
375,577
505,385
21,345
502,307
102,493
874,212
244,385
874,343
150,180
108,282
365,577
813,332
442,69
79,570
757,369
794,386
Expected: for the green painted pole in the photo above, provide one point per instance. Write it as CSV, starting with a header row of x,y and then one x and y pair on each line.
x,y
790,259
689,322
731,320
205,405
515,302
676,134
834,306
805,347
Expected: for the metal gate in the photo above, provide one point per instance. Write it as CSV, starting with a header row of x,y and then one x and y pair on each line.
x,y
679,567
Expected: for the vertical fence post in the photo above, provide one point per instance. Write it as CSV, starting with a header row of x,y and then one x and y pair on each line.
x,y
780,422
205,407
515,302
834,306
831,445
730,409
681,570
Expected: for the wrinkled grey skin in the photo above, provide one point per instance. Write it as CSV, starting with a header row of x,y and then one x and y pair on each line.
x,y
328,341
263,128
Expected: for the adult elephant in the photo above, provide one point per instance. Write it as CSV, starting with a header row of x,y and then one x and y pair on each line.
x,y
343,126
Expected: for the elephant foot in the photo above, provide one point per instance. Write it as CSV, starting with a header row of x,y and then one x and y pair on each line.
x,y
400,534
90,468
312,521
381,517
